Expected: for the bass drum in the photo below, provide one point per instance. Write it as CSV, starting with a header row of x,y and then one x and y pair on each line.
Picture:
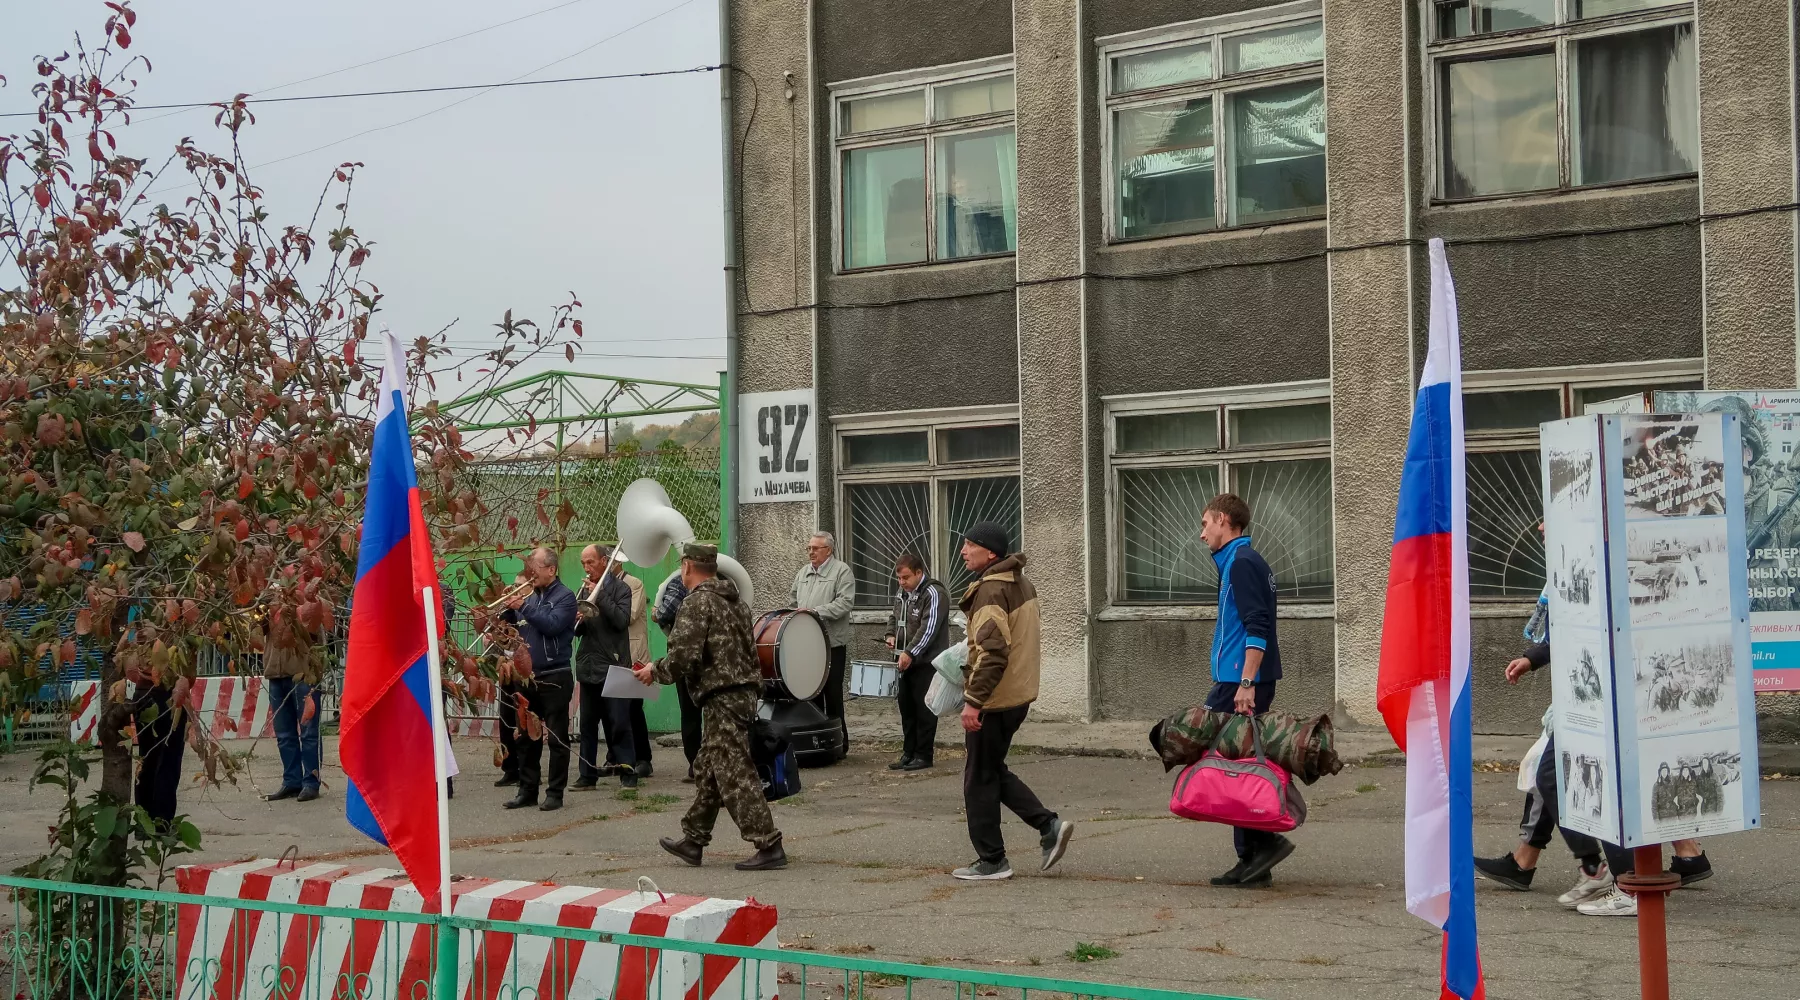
x,y
793,653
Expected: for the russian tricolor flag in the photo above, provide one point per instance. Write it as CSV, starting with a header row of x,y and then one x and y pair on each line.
x,y
392,741
1423,686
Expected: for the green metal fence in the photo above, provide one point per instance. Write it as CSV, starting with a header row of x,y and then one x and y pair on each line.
x,y
74,942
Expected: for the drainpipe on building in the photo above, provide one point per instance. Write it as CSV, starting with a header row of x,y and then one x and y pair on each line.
x,y
728,388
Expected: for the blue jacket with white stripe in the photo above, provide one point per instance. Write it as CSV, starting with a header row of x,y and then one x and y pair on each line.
x,y
1246,613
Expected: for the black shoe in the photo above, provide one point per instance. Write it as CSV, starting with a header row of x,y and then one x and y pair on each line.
x,y
917,764
644,770
1691,870
307,794
1262,881
1506,871
1262,861
285,793
627,778
523,799
507,781
690,776
684,849
770,858
1232,877
584,785
901,764
449,788
551,803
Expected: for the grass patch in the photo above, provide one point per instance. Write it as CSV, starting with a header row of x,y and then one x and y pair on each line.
x,y
853,949
1368,786
626,795
880,980
1085,952
656,803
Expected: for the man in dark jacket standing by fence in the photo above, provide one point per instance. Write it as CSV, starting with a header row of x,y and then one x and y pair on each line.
x,y
546,620
605,642
1246,660
918,629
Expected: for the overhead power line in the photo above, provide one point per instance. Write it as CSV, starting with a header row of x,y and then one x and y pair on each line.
x,y
411,90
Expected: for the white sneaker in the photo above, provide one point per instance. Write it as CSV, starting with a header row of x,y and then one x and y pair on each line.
x,y
1615,902
1587,886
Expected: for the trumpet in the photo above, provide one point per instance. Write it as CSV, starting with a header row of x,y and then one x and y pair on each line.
x,y
587,608
521,589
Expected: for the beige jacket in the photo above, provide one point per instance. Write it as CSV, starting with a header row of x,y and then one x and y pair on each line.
x,y
640,629
1004,636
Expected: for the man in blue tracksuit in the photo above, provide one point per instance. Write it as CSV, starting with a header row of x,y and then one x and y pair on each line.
x,y
1246,660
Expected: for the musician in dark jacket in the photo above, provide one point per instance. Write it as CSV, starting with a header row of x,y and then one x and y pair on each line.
x,y
918,629
546,621
605,636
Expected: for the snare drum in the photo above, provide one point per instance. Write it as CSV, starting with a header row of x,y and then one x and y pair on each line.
x,y
793,653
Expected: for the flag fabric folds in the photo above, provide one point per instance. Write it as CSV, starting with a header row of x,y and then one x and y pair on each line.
x,y
1423,687
386,729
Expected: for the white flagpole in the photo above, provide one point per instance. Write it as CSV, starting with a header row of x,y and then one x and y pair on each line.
x,y
440,757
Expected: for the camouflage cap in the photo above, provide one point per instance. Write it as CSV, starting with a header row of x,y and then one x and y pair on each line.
x,y
701,553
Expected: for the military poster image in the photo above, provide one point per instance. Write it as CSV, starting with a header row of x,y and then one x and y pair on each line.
x,y
1770,422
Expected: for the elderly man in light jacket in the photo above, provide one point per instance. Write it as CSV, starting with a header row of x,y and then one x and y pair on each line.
x,y
826,587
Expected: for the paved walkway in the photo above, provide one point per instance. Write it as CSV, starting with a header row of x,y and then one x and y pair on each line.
x,y
871,850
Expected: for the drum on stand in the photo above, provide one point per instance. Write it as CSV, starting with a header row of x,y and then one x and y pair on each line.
x,y
793,652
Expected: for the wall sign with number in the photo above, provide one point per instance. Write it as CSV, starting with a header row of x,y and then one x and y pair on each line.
x,y
778,437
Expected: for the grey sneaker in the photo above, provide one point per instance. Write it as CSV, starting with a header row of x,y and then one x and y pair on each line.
x,y
1587,886
1055,842
985,871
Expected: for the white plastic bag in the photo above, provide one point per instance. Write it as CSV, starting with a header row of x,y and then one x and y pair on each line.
x,y
1528,768
943,696
950,663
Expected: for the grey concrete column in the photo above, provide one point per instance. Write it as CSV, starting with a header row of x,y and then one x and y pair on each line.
x,y
1050,53
1747,162
1369,57
775,351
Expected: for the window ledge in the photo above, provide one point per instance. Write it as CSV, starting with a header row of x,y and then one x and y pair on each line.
x,y
1553,196
1197,612
1501,609
1126,244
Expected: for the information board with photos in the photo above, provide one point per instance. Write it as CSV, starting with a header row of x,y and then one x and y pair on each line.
x,y
1655,719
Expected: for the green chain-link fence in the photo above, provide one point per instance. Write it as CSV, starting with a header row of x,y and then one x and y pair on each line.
x,y
523,496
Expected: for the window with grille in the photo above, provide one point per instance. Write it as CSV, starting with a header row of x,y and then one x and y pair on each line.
x,y
1501,414
916,489
1169,461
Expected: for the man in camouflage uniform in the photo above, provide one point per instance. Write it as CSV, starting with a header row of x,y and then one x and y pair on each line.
x,y
713,653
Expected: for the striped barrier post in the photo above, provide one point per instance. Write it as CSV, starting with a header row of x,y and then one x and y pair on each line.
x,y
240,954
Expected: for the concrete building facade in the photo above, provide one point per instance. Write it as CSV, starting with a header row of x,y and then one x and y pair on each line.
x,y
1078,265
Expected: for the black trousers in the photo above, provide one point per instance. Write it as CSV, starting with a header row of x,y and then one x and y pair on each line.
x,y
831,700
1223,698
1542,801
690,724
918,724
640,730
549,698
509,738
609,716
988,784
160,748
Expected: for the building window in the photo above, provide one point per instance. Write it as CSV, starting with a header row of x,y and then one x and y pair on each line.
x,y
926,167
1169,459
918,489
1216,123
1541,95
1501,414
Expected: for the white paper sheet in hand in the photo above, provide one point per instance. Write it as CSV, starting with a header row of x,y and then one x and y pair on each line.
x,y
622,683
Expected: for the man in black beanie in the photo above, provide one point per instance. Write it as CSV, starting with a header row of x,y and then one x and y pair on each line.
x,y
999,685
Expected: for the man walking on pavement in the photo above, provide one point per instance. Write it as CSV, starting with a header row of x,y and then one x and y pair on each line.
x,y
999,685
713,652
1246,660
826,587
919,629
546,621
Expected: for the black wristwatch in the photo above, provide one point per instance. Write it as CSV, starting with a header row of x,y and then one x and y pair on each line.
x,y
1245,682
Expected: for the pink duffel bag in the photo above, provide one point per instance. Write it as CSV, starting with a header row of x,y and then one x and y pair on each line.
x,y
1255,794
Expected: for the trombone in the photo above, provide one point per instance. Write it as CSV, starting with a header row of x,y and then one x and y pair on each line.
x,y
518,590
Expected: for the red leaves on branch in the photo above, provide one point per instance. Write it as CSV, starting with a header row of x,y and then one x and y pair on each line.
x,y
133,541
42,194
245,487
242,531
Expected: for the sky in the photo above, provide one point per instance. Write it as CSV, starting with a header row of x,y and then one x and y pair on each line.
x,y
510,200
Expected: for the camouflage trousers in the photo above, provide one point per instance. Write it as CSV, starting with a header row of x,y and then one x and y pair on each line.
x,y
725,776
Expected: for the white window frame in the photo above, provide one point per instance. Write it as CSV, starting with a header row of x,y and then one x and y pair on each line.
x,y
933,473
1219,87
1559,38
928,133
1568,381
1223,401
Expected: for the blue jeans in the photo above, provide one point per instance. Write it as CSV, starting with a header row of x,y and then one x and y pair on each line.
x,y
299,744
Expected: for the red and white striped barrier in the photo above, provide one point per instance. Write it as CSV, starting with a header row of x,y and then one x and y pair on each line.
x,y
240,954
230,708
